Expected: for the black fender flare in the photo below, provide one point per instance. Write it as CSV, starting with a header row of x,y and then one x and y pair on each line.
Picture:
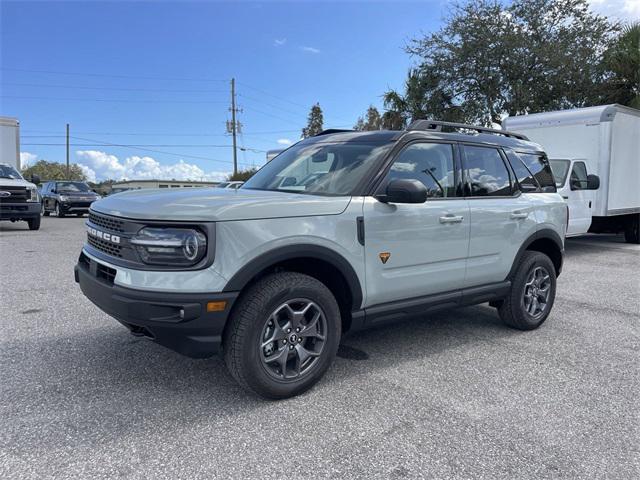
x,y
272,257
545,233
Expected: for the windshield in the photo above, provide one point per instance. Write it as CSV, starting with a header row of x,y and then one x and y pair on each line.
x,y
72,187
560,169
319,168
9,172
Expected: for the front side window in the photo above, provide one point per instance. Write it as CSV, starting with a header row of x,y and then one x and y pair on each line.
x,y
539,166
430,163
578,179
560,168
319,168
486,172
7,171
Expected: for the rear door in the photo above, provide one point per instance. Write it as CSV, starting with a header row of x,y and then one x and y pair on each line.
x,y
414,250
502,218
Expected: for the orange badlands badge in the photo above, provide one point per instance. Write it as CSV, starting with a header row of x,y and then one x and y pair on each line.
x,y
384,256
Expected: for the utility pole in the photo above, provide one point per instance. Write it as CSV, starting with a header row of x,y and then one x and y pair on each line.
x,y
68,173
233,127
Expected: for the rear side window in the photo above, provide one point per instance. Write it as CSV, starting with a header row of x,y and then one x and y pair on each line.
x,y
431,163
486,172
539,166
525,178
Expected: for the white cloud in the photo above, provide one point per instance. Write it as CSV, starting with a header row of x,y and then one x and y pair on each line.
x,y
98,165
310,49
284,141
625,10
278,42
27,159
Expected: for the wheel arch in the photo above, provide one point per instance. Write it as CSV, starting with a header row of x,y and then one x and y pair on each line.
x,y
319,262
545,241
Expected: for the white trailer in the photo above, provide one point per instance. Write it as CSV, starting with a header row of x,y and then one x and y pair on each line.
x,y
595,156
10,142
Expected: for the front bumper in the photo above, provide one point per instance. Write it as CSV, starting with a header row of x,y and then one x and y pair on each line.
x,y
74,207
19,211
179,321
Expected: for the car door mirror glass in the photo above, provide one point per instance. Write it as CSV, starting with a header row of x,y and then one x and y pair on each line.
x,y
593,182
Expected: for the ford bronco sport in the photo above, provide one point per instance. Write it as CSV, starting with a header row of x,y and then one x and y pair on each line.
x,y
339,232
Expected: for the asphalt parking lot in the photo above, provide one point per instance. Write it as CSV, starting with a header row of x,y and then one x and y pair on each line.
x,y
452,395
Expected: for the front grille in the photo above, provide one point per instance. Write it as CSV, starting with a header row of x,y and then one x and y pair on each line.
x,y
106,222
18,194
105,247
106,273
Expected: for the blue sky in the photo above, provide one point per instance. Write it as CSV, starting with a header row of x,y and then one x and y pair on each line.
x,y
157,73
163,69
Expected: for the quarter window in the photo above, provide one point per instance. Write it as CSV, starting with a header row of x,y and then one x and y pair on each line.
x,y
538,165
486,172
430,163
578,179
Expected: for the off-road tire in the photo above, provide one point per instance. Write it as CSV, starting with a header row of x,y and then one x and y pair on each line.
x,y
34,223
242,335
512,311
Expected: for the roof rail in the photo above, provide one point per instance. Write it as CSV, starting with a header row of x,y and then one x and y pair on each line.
x,y
332,130
437,126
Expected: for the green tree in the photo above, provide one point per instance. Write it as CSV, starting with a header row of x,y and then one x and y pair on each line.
x,y
622,63
242,175
54,171
371,121
314,122
492,59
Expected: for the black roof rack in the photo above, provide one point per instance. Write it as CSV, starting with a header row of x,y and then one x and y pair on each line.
x,y
332,130
437,126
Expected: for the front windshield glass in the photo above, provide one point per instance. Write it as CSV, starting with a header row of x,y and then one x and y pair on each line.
x,y
319,168
559,169
72,187
9,172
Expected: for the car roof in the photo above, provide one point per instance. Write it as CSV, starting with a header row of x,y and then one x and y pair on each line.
x,y
386,136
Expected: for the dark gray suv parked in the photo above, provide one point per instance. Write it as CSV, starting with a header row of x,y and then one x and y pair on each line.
x,y
67,198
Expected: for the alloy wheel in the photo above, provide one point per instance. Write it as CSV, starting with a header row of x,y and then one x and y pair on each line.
x,y
535,299
292,339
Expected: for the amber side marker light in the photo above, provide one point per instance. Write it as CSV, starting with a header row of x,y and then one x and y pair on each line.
x,y
216,306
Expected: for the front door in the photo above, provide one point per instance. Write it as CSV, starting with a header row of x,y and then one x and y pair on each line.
x,y
414,250
579,199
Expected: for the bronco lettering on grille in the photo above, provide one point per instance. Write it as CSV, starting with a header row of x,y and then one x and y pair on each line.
x,y
109,237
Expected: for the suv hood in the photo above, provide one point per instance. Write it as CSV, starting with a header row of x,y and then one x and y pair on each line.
x,y
217,204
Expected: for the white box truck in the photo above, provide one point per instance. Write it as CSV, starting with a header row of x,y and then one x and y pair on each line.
x,y
19,199
595,157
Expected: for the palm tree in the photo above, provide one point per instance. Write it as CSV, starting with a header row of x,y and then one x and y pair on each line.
x,y
622,61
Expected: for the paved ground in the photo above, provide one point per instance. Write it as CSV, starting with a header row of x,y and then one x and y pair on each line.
x,y
452,395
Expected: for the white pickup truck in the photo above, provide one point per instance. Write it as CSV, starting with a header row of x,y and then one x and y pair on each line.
x,y
595,157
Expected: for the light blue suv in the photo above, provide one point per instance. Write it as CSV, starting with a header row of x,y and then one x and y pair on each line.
x,y
339,232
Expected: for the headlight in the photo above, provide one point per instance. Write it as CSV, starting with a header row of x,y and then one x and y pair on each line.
x,y
170,246
33,195
63,198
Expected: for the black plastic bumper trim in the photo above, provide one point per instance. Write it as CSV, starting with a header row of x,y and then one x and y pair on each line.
x,y
178,321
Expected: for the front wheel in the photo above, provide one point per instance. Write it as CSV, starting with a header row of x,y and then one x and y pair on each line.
x,y
34,223
43,210
59,211
533,291
283,335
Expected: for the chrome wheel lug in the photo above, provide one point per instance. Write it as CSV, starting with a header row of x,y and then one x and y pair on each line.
x,y
298,329
290,347
284,341
288,330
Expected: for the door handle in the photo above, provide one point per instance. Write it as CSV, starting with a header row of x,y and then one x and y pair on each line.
x,y
518,215
451,219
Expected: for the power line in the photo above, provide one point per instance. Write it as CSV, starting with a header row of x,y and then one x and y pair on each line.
x,y
108,100
151,134
272,105
128,145
82,87
274,96
85,74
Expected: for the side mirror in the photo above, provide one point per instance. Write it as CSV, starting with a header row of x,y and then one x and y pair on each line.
x,y
404,191
593,182
35,179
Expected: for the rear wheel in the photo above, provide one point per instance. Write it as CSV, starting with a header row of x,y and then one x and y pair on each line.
x,y
34,223
283,336
58,211
533,291
632,229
